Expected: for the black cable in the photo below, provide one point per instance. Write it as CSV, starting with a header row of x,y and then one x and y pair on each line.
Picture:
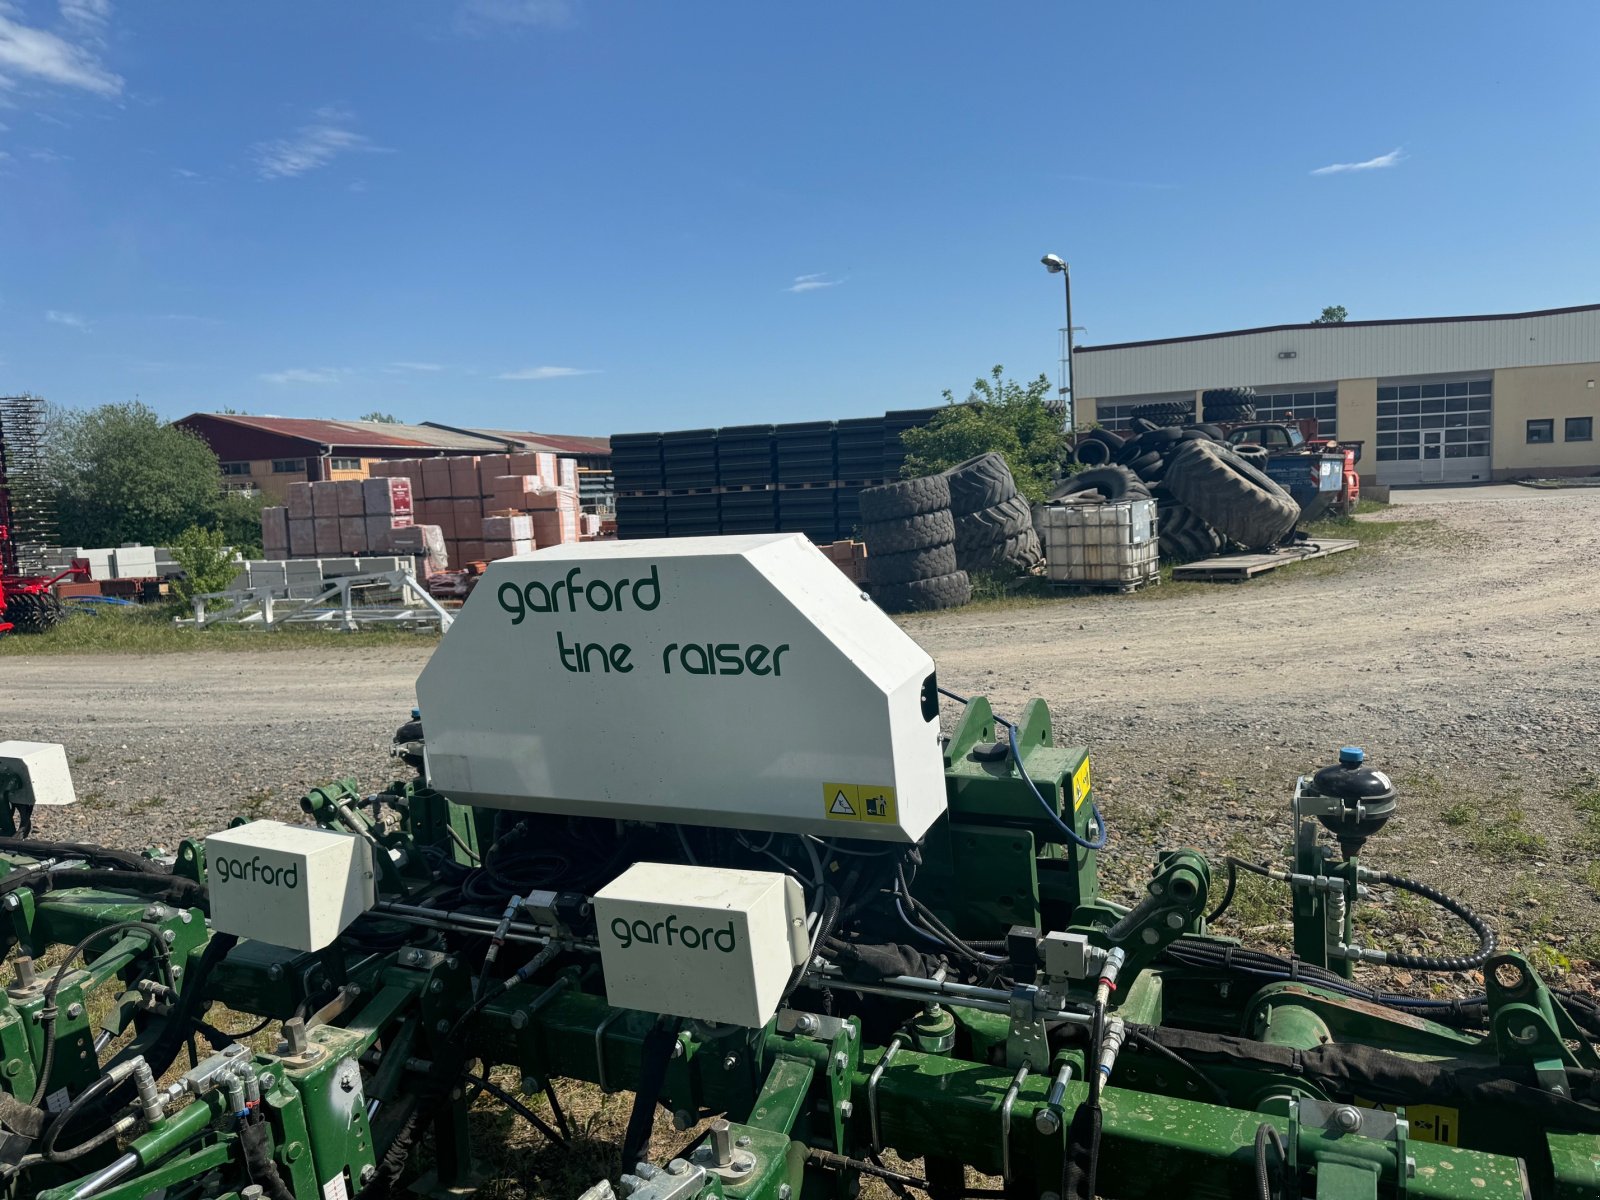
x,y
1143,1040
655,1056
1227,896
517,1106
1268,1188
1487,941
462,842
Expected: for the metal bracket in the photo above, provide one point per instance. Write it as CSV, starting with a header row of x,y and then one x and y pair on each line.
x,y
600,1048
816,1025
1027,1039
1347,1120
890,1051
678,1181
1005,1120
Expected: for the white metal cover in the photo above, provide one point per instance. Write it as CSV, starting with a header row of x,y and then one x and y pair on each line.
x,y
42,768
701,942
730,681
288,885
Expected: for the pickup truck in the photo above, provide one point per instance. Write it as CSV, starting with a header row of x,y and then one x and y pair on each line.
x,y
1318,472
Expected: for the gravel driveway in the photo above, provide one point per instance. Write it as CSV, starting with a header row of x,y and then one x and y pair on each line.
x,y
1463,653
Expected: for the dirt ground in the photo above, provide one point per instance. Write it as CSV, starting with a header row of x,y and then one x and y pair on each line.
x,y
1460,648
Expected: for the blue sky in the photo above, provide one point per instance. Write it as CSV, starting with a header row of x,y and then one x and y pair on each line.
x,y
588,216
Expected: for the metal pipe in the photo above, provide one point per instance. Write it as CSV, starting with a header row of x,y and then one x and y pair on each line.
x,y
102,1179
961,995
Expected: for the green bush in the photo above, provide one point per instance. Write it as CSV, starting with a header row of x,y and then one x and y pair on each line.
x,y
207,565
999,415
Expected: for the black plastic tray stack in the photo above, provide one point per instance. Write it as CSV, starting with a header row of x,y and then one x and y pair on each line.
x,y
746,471
636,468
803,477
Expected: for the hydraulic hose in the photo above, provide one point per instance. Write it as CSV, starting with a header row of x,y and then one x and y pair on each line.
x,y
1487,941
124,860
255,1141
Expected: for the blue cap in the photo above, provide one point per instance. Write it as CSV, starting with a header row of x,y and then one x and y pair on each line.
x,y
416,715
1352,756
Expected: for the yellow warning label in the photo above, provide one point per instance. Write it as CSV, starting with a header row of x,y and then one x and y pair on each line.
x,y
1080,785
859,802
1434,1123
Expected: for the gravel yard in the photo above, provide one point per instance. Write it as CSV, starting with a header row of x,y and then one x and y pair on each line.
x,y
1461,652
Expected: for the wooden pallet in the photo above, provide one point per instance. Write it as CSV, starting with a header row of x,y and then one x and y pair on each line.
x,y
1122,587
1236,568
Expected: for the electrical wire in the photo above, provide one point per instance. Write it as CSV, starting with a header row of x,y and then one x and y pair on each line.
x,y
518,1107
1268,1188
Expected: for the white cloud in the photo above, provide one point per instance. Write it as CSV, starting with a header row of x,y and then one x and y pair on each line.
x,y
812,283
311,146
1372,164
49,156
70,320
307,375
477,16
545,373
185,173
91,16
415,366
48,58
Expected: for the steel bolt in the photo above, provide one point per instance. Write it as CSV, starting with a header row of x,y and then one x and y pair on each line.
x,y
677,1167
849,1032
721,1142
26,976
807,1023
436,986
74,1011
682,1119
12,901
646,1170
784,1190
743,1142
346,1083
1347,1118
251,1191
1174,920
169,936
846,1108
441,1027
730,1062
413,956
452,963
275,972
519,1019
368,1174
841,1061
1047,1121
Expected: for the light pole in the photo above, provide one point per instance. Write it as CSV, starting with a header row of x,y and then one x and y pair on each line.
x,y
1057,266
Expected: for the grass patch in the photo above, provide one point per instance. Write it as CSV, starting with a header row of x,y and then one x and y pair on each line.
x,y
1507,836
1460,813
151,631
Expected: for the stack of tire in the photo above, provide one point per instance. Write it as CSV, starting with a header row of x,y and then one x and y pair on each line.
x,y
1207,494
994,523
911,546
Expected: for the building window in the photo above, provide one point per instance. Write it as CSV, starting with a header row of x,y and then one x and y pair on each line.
x,y
1320,401
1580,429
1541,431
288,466
236,468
1407,413
344,464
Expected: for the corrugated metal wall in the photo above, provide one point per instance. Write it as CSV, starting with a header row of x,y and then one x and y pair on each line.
x,y
1340,352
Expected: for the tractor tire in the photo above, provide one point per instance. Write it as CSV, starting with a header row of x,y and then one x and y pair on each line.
x,y
979,483
1230,495
1164,414
1092,453
1256,456
1139,425
928,563
904,534
977,530
1020,554
1214,432
1184,537
924,595
1228,404
904,498
1103,435
1150,460
1114,483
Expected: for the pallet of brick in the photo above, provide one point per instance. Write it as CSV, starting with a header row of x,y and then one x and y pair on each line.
x,y
436,478
298,501
347,493
552,499
425,542
491,466
324,499
387,495
553,527
302,538
511,527
511,491
352,535
588,525
472,550
328,538
463,476
274,528
498,550
567,473
380,531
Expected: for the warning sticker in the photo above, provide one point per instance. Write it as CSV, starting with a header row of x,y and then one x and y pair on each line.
x,y
859,802
1080,785
1434,1123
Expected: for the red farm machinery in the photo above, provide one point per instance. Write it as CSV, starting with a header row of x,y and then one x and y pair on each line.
x,y
28,602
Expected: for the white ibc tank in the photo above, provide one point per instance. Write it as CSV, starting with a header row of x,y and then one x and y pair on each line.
x,y
741,682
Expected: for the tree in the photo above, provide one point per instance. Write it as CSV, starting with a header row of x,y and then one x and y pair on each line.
x,y
238,519
124,475
381,418
1334,314
1001,415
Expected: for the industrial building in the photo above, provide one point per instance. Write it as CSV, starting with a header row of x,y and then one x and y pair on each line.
x,y
1433,399
267,454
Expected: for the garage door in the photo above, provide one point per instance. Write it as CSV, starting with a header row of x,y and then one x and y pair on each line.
x,y
1434,430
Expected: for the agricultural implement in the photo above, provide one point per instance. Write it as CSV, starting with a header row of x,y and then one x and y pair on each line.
x,y
683,824
28,603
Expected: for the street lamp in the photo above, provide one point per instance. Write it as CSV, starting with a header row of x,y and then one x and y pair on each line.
x,y
1057,266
